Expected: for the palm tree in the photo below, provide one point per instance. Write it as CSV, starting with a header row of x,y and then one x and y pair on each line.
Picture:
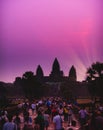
x,y
98,67
28,75
95,79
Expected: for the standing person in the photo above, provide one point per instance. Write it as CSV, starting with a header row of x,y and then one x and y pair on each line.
x,y
39,120
9,125
21,120
57,120
92,121
65,113
17,121
33,107
46,119
60,109
28,123
83,116
3,119
26,116
69,116
53,111
99,121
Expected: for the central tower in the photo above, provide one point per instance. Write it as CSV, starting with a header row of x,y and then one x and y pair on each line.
x,y
56,72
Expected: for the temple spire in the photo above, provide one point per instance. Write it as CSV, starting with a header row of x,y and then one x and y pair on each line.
x,y
56,72
39,72
72,74
56,66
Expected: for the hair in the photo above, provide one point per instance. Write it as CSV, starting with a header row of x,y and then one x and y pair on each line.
x,y
46,112
39,113
70,129
10,117
73,123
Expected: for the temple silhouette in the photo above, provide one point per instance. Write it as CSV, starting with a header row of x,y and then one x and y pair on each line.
x,y
56,74
56,78
52,84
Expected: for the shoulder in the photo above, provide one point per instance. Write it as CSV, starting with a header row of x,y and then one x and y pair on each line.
x,y
6,123
54,118
57,117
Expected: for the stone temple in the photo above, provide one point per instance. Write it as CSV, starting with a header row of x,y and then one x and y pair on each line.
x,y
53,85
56,74
56,78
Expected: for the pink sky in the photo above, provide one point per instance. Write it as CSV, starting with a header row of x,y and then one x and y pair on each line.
x,y
36,31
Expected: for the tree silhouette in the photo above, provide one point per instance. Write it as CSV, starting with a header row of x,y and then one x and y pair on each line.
x,y
3,95
95,79
31,86
18,86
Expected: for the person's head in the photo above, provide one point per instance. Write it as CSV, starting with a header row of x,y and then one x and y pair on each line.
x,y
46,112
61,106
39,113
56,113
98,113
83,107
17,114
10,118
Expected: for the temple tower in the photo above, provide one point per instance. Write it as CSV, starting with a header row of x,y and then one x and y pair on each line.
x,y
56,72
72,74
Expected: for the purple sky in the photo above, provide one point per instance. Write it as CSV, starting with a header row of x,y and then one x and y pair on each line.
x,y
34,32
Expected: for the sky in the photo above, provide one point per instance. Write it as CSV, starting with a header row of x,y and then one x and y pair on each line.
x,y
34,32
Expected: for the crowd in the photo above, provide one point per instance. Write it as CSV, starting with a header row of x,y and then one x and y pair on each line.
x,y
63,115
